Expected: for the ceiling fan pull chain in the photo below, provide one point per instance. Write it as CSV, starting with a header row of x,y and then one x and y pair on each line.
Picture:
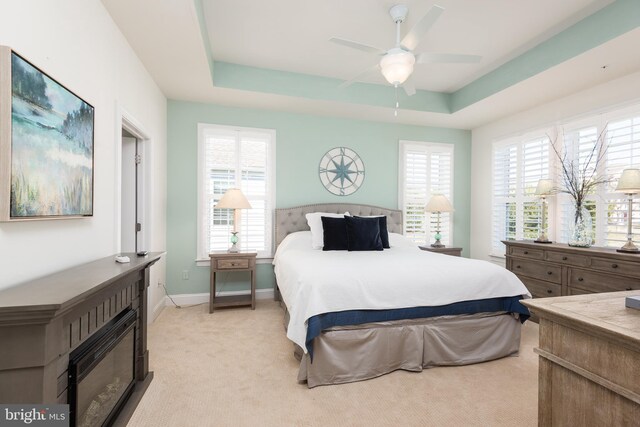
x,y
395,113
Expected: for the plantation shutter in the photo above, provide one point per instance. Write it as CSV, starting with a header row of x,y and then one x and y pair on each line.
x,y
505,179
518,165
535,166
427,169
623,152
237,159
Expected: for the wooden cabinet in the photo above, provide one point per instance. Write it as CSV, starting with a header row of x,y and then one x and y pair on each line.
x,y
446,250
589,365
557,269
223,262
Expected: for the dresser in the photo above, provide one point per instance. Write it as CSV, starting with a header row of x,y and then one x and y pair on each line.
x,y
555,269
589,360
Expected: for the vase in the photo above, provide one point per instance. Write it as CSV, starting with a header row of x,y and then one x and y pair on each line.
x,y
581,229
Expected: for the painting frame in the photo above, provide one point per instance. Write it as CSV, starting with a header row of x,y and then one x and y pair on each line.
x,y
47,138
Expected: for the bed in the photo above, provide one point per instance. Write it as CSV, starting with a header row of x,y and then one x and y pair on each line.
x,y
358,315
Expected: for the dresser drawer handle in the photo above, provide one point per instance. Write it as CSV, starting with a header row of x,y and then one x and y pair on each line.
x,y
549,291
614,265
526,252
580,279
517,266
629,288
549,273
564,258
233,264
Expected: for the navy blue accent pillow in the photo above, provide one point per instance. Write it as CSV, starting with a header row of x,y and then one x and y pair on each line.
x,y
363,234
334,232
384,233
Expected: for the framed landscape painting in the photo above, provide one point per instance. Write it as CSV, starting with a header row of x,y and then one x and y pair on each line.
x,y
46,145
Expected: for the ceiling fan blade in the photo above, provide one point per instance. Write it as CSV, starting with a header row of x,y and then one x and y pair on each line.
x,y
409,87
358,46
413,37
432,58
359,76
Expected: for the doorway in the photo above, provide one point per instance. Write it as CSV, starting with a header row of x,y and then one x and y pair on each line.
x,y
130,222
131,213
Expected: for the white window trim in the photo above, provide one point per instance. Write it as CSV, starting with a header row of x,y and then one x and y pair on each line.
x,y
201,260
403,144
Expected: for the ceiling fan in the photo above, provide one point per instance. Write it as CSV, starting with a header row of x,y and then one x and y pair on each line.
x,y
397,63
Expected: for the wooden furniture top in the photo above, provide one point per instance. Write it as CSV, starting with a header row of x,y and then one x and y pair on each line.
x,y
225,254
602,314
58,291
593,250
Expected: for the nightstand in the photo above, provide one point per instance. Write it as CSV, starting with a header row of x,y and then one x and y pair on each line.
x,y
223,262
446,250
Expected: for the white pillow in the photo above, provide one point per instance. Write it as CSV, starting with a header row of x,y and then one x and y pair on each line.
x,y
315,224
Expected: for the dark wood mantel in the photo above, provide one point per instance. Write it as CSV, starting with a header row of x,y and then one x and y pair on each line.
x,y
43,320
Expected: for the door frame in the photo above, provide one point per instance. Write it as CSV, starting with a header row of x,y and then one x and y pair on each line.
x,y
125,120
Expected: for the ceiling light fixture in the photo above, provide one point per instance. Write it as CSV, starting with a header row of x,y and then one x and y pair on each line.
x,y
397,65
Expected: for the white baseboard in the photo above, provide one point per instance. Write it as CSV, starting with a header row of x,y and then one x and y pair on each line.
x,y
157,310
190,299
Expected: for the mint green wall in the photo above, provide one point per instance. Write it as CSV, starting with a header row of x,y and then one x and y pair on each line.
x,y
301,140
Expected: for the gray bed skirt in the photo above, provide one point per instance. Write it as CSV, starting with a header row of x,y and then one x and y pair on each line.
x,y
355,353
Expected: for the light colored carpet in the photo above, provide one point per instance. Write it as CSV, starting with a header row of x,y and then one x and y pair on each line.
x,y
235,367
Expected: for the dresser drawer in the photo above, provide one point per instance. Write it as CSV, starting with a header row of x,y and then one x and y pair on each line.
x,y
600,282
566,258
616,267
526,252
540,289
537,270
232,264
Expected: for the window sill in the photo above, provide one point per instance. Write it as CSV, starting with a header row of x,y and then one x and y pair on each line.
x,y
207,262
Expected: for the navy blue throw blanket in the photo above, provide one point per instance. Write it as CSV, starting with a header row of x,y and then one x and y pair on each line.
x,y
320,322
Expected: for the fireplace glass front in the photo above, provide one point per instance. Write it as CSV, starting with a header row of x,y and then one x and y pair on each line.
x,y
102,374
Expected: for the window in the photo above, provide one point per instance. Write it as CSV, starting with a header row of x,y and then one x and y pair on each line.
x,y
425,169
230,157
519,162
518,165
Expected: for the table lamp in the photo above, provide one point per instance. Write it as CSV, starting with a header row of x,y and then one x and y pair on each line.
x,y
543,189
233,199
438,203
629,184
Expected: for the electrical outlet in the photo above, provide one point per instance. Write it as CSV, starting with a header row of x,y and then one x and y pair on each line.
x,y
185,275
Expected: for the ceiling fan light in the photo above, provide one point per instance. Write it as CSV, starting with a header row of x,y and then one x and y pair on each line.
x,y
397,66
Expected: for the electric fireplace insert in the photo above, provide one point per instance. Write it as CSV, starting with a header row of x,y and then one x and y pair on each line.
x,y
102,373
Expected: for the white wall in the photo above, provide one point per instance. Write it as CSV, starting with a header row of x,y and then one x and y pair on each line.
x,y
602,98
77,43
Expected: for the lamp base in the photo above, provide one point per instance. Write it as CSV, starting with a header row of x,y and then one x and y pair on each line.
x,y
233,249
437,245
629,248
542,241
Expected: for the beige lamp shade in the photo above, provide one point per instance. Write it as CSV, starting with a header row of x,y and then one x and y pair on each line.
x,y
629,182
438,203
233,199
544,187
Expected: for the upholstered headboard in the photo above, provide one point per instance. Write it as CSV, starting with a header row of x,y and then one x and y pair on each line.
x,y
290,220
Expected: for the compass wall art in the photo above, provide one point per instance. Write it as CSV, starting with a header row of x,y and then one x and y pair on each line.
x,y
341,171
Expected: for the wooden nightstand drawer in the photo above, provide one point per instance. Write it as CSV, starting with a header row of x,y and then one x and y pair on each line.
x,y
567,258
526,252
232,263
538,270
616,267
600,282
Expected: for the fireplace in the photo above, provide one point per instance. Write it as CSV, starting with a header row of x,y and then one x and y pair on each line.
x,y
102,372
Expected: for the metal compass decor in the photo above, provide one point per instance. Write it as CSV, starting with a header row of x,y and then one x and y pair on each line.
x,y
341,171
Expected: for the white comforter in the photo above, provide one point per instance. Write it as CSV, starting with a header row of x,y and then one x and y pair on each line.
x,y
313,281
